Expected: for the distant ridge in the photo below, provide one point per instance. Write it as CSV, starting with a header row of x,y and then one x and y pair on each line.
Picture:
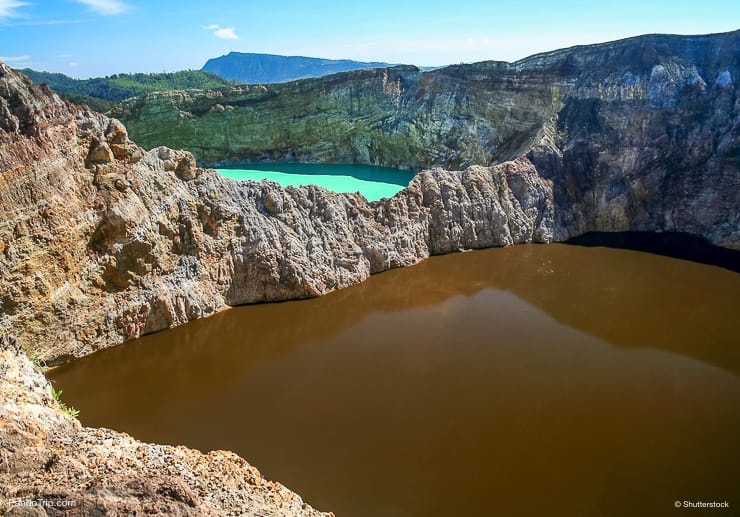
x,y
100,93
270,68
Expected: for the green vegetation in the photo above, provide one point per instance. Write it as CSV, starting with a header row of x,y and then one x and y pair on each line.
x,y
64,407
100,93
36,358
99,105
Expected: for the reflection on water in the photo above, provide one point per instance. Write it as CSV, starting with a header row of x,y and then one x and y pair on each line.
x,y
531,380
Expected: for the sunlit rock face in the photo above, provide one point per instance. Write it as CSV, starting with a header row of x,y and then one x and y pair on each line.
x,y
101,242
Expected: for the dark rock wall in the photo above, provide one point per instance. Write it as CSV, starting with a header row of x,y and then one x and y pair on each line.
x,y
639,134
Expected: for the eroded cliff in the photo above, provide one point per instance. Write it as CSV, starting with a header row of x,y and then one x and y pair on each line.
x,y
101,242
640,134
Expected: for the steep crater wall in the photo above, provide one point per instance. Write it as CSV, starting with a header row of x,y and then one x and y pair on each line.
x,y
640,134
101,242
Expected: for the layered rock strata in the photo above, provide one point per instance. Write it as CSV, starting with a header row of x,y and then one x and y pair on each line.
x,y
640,134
101,242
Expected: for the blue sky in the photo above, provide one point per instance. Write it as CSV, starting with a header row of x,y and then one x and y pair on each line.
x,y
84,38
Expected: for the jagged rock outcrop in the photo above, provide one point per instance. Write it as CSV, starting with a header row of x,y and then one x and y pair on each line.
x,y
47,457
101,242
640,134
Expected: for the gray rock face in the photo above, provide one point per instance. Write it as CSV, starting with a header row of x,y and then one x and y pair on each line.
x,y
639,134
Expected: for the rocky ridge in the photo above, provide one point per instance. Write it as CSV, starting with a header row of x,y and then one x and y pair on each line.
x,y
47,457
101,242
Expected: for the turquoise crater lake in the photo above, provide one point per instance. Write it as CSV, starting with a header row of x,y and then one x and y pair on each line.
x,y
372,182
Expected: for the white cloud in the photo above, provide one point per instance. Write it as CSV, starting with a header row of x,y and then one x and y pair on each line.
x,y
105,7
8,8
226,33
221,32
15,59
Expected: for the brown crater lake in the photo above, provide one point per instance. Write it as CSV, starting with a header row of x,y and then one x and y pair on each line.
x,y
530,380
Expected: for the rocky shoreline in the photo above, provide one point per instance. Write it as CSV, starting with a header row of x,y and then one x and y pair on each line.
x,y
52,465
102,242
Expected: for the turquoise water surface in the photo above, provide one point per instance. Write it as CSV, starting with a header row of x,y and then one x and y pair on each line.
x,y
372,182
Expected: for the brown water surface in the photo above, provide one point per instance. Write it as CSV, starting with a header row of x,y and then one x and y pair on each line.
x,y
531,380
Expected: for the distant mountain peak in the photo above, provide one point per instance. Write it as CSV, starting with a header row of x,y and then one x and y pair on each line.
x,y
271,68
